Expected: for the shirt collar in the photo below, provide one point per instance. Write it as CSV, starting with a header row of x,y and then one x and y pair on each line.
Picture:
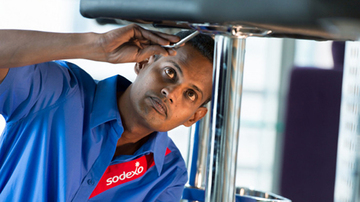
x,y
156,144
105,109
105,106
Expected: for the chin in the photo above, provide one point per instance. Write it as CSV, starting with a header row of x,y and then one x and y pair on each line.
x,y
160,126
157,122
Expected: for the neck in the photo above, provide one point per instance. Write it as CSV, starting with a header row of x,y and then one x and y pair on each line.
x,y
134,131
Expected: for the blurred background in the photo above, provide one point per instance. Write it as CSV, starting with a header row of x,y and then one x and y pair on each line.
x,y
268,64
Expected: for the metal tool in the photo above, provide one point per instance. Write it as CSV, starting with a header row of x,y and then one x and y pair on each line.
x,y
182,41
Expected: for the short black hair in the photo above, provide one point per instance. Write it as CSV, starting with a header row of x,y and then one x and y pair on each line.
x,y
201,42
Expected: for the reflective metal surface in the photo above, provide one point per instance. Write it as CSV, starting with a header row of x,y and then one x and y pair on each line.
x,y
190,156
250,195
225,116
229,30
204,135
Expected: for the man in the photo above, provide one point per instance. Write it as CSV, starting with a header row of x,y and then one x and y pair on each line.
x,y
70,139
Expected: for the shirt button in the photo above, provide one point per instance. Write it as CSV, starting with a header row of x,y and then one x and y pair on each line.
x,y
90,182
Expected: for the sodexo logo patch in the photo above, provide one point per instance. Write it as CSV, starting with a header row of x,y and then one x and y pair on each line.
x,y
124,172
128,175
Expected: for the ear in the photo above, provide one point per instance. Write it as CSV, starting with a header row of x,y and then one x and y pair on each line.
x,y
200,112
141,65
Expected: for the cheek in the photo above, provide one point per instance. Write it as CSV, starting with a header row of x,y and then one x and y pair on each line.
x,y
183,114
146,80
149,81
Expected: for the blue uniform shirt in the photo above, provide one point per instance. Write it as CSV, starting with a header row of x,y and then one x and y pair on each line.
x,y
61,135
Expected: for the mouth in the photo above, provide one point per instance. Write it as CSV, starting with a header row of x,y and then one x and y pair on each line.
x,y
159,106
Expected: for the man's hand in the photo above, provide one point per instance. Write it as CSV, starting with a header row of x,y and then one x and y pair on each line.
x,y
127,44
133,44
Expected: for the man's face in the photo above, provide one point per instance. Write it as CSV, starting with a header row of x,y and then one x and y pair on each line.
x,y
169,92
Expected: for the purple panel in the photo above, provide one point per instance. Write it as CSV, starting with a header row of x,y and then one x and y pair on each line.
x,y
311,135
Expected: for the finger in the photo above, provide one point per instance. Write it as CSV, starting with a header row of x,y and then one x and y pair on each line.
x,y
155,38
151,50
171,51
170,37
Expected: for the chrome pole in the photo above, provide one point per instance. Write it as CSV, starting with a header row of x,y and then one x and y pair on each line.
x,y
225,116
204,135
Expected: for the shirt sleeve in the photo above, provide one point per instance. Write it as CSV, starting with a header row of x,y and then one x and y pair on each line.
x,y
174,192
31,88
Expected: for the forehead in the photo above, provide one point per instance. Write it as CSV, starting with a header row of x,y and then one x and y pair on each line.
x,y
191,61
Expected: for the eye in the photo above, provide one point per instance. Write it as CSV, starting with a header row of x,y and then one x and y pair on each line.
x,y
170,72
191,95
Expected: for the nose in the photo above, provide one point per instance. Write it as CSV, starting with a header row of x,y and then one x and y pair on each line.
x,y
169,93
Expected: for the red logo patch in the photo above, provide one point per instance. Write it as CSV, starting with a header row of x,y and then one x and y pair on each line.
x,y
124,172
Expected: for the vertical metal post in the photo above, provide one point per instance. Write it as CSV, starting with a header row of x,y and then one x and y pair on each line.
x,y
204,134
225,116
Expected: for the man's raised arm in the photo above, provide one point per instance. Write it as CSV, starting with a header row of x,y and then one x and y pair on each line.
x,y
127,44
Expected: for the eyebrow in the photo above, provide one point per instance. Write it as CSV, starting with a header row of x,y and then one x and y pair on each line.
x,y
198,89
179,69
